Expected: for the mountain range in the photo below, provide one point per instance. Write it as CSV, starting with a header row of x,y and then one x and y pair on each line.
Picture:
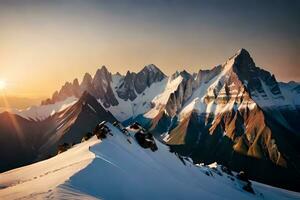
x,y
236,114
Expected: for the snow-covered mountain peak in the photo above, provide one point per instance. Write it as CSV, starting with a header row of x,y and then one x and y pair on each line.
x,y
151,67
185,75
243,51
241,61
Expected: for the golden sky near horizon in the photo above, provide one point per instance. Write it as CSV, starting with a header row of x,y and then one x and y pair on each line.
x,y
43,45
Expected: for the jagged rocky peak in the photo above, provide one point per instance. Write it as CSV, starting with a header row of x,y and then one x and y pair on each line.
x,y
148,75
102,79
182,93
175,75
126,89
133,84
151,67
185,75
76,88
75,82
102,87
118,74
102,72
257,80
239,76
243,62
86,81
67,90
206,75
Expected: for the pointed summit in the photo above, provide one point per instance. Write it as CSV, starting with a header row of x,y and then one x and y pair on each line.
x,y
240,62
102,76
103,68
86,83
75,82
243,51
185,75
87,78
243,59
146,77
76,88
151,67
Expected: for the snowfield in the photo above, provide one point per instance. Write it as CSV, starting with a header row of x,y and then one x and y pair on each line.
x,y
118,169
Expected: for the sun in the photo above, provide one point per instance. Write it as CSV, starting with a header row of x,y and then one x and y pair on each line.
x,y
2,84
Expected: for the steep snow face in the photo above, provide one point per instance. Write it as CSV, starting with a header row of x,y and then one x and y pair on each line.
x,y
210,91
119,169
42,112
216,91
291,92
161,99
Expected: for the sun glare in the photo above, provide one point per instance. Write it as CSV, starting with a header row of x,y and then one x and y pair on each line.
x,y
2,84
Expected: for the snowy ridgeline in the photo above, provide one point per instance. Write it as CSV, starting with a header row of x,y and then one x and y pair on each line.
x,y
39,113
119,168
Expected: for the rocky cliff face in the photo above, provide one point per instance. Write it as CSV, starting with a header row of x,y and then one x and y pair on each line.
x,y
102,87
126,89
148,75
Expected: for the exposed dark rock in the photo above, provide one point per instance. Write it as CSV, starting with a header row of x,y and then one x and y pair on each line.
x,y
63,147
148,75
145,140
102,87
87,136
136,126
242,176
126,89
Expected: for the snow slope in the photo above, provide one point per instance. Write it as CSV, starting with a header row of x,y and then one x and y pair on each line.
x,y
40,180
291,93
162,98
118,169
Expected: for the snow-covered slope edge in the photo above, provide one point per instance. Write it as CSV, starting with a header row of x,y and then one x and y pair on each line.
x,y
118,169
40,180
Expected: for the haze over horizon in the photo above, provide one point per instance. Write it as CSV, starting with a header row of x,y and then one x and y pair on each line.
x,y
43,44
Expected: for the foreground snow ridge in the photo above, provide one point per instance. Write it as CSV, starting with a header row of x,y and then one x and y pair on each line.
x,y
118,168
41,180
